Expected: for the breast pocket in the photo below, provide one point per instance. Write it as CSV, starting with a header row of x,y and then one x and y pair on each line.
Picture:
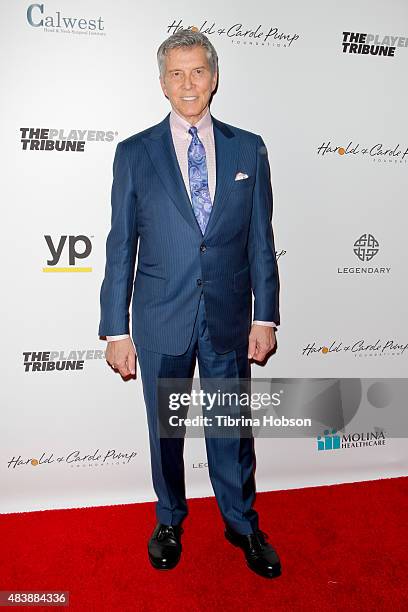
x,y
242,280
243,184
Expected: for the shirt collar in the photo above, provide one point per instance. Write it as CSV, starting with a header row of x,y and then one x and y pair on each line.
x,y
181,126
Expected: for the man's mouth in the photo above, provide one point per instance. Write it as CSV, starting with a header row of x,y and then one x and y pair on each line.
x,y
189,98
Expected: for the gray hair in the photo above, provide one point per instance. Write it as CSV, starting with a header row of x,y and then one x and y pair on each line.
x,y
187,38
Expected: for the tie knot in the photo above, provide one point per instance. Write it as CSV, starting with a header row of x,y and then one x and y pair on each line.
x,y
193,130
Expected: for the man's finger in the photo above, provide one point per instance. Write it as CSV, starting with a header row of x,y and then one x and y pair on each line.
x,y
251,347
131,362
122,368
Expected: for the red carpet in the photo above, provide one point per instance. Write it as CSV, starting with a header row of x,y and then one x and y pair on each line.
x,y
342,547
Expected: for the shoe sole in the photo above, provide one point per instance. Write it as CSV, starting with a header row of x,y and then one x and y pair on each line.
x,y
234,543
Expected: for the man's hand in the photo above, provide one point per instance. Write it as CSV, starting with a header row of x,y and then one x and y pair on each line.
x,y
261,341
121,355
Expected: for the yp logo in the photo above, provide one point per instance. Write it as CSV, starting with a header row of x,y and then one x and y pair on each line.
x,y
71,248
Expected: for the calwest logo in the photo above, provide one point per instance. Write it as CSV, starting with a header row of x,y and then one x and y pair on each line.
x,y
37,19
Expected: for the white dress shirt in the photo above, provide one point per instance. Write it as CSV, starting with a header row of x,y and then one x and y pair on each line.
x,y
181,138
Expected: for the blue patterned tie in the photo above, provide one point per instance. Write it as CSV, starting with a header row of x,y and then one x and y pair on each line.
x,y
198,177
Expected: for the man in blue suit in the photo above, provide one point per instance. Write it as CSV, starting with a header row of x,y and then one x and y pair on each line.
x,y
192,196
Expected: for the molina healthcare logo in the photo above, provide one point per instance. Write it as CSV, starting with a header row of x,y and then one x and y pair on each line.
x,y
331,440
68,250
377,152
365,248
38,16
69,141
59,361
74,458
372,44
239,33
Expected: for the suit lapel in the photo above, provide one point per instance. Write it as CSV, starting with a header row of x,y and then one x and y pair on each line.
x,y
226,155
160,146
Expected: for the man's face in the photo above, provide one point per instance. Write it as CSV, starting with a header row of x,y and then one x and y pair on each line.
x,y
187,81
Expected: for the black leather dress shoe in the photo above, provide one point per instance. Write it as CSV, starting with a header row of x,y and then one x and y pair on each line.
x,y
164,546
260,556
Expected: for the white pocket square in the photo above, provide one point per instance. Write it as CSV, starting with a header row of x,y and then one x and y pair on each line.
x,y
241,175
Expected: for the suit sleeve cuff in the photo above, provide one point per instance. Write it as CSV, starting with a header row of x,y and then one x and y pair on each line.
x,y
266,323
120,337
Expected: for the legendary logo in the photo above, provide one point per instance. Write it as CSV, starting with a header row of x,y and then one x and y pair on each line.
x,y
366,247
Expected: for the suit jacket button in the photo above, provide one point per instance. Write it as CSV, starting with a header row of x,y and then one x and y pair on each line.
x,y
203,248
199,282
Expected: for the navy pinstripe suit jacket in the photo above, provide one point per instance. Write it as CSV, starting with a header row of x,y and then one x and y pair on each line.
x,y
152,215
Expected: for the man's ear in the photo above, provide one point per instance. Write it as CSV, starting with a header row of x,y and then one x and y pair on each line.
x,y
162,85
215,82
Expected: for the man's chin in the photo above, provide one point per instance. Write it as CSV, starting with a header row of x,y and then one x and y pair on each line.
x,y
191,111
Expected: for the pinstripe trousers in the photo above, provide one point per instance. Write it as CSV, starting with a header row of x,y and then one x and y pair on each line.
x,y
231,460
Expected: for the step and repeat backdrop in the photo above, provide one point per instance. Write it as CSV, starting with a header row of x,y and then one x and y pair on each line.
x,y
325,85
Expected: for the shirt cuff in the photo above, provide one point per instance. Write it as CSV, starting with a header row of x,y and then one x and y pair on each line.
x,y
113,338
266,323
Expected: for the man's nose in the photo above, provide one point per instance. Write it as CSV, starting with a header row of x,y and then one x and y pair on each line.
x,y
187,82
